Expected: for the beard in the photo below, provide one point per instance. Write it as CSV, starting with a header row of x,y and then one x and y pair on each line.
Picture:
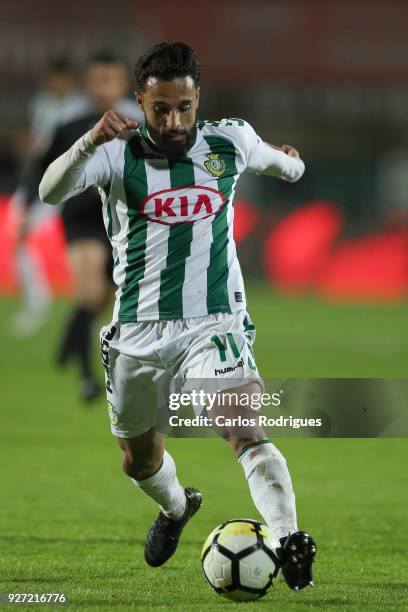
x,y
174,143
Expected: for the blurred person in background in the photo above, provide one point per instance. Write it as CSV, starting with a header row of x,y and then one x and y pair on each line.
x,y
106,84
57,97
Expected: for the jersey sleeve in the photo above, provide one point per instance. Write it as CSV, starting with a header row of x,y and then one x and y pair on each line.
x,y
262,157
81,166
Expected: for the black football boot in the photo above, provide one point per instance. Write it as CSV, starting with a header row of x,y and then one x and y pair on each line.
x,y
296,557
164,534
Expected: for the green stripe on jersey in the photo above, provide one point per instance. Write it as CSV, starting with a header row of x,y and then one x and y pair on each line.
x,y
179,244
107,189
217,273
135,183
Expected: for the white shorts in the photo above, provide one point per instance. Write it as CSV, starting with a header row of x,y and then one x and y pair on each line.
x,y
142,359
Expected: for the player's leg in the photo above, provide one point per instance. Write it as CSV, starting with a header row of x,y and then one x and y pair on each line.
x,y
153,470
134,393
36,294
88,258
224,353
270,486
221,352
264,465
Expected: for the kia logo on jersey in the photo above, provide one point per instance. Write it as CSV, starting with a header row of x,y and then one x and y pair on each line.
x,y
182,205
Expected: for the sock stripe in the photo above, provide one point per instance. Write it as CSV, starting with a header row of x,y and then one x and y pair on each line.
x,y
252,445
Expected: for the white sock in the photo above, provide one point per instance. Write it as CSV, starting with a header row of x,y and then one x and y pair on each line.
x,y
270,486
164,488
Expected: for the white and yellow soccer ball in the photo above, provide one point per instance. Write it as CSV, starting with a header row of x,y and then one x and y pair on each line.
x,y
239,559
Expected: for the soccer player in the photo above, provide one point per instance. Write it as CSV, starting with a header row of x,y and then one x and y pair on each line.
x,y
167,191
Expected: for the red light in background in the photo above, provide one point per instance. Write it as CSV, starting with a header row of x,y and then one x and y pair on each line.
x,y
295,250
47,241
8,272
370,268
246,219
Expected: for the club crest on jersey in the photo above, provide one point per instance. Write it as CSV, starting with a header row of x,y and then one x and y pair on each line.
x,y
215,165
182,205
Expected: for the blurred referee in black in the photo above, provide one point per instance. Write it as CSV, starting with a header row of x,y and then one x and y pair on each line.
x,y
106,83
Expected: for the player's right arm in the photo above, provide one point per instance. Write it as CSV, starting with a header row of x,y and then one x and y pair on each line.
x,y
85,163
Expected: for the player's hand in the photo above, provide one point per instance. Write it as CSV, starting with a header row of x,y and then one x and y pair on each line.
x,y
110,126
291,151
288,149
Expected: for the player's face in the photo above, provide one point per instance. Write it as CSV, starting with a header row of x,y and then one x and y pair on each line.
x,y
106,84
170,109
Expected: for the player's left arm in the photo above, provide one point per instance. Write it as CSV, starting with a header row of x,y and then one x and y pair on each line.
x,y
263,158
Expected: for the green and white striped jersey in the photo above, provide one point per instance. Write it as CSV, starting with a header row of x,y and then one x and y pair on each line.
x,y
171,222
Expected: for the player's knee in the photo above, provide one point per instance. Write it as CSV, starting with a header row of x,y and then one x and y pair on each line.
x,y
139,466
238,443
240,437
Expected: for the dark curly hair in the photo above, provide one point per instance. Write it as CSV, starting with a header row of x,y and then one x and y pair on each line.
x,y
167,61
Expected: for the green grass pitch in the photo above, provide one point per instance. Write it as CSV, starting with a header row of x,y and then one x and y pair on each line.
x,y
71,522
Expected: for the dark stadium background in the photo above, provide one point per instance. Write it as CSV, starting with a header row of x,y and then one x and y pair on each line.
x,y
327,77
326,266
